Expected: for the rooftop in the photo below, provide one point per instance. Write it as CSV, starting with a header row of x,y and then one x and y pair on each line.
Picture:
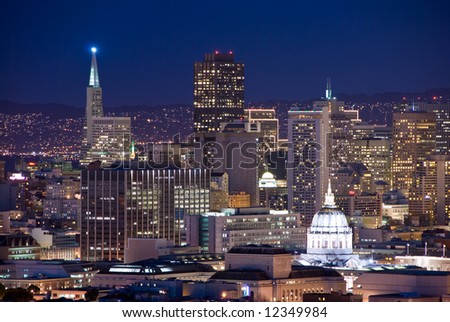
x,y
312,271
258,249
413,272
241,274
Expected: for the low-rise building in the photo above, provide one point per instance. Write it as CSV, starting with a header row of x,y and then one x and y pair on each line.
x,y
421,282
239,199
19,247
47,275
266,274
219,232
431,263
121,275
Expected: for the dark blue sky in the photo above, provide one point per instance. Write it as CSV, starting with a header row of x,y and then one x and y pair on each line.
x,y
146,49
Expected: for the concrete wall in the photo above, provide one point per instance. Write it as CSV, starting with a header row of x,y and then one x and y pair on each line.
x,y
275,266
378,283
145,248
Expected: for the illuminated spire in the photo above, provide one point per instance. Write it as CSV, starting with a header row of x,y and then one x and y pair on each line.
x,y
329,196
93,79
328,91
133,151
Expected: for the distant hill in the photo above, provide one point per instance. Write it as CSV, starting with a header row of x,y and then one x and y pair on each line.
x,y
55,109
161,121
67,111
395,96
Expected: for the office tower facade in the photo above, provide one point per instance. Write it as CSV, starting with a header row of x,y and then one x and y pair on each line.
x,y
62,199
429,200
353,178
219,191
107,139
111,139
441,110
442,113
362,130
269,125
305,172
234,150
218,91
218,232
239,199
413,141
375,154
365,205
320,144
137,203
94,104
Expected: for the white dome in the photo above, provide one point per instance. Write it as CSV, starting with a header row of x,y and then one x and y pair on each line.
x,y
329,220
267,175
329,233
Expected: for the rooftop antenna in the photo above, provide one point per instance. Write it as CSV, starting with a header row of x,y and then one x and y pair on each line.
x,y
328,90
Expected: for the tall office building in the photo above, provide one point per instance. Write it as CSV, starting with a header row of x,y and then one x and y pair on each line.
x,y
62,199
218,91
441,110
305,171
118,204
376,155
107,139
94,103
413,141
320,139
429,199
111,139
269,124
234,150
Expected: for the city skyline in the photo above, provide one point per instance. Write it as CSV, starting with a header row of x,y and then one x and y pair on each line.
x,y
289,50
314,196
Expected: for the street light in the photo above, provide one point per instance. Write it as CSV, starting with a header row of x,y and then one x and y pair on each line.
x,y
407,249
426,246
443,250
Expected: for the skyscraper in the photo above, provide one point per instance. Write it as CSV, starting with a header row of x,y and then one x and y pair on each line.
x,y
413,141
106,139
218,91
117,204
94,100
376,155
319,138
269,124
305,172
429,199
441,110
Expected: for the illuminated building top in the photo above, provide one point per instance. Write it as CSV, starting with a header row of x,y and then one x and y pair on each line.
x,y
94,79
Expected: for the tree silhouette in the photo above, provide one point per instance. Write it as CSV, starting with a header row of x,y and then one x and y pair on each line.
x,y
91,295
33,289
17,295
2,290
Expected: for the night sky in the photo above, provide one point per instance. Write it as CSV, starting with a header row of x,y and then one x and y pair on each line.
x,y
146,49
